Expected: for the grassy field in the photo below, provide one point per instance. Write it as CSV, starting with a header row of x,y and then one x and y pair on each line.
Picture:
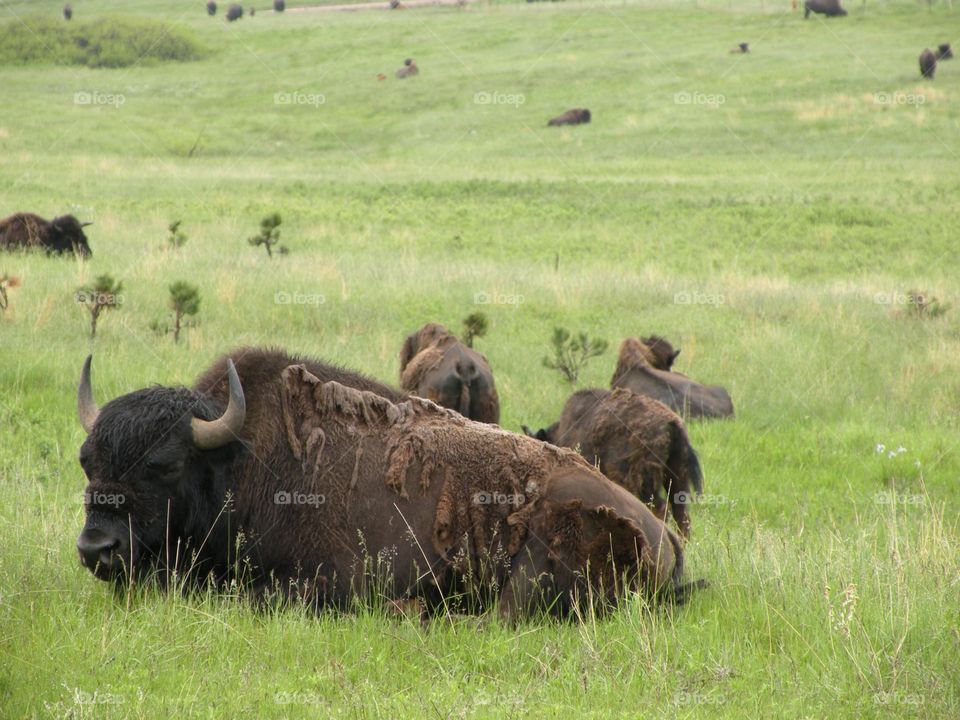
x,y
768,213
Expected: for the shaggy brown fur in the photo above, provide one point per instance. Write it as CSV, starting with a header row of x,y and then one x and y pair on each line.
x,y
944,52
61,235
435,365
466,507
928,64
577,116
637,442
830,8
409,69
684,396
654,351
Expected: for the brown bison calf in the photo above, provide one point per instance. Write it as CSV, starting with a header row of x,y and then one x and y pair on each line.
x,y
577,116
928,64
637,442
408,70
435,365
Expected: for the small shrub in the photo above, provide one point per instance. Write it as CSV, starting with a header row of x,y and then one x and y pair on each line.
x,y
269,235
176,238
923,305
185,302
571,354
6,282
474,326
102,294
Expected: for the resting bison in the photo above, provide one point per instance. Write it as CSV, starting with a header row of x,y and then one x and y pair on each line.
x,y
409,68
211,8
322,486
577,116
830,8
678,392
60,235
637,442
435,365
928,64
741,49
944,52
234,12
67,12
279,6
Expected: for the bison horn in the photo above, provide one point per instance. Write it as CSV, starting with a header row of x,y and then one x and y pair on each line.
x,y
86,408
86,224
209,435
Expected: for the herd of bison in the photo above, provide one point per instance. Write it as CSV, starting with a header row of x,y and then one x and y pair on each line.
x,y
303,481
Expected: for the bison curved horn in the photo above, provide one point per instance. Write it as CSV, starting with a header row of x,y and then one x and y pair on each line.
x,y
86,224
86,408
209,435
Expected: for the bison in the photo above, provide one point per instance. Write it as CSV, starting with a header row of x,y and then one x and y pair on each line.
x,y
928,64
435,365
830,8
944,52
637,442
60,235
279,6
678,392
234,12
211,8
654,350
300,481
409,69
577,116
741,49
67,12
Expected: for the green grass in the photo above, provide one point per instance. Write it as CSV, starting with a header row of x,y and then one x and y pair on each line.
x,y
800,205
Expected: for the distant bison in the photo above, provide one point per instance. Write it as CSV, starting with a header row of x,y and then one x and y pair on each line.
x,y
435,365
830,8
740,49
678,392
944,52
279,6
234,12
409,69
67,12
928,64
60,235
297,480
577,116
211,8
637,442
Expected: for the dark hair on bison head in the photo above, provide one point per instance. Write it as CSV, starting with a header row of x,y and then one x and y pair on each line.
x,y
157,463
234,12
66,235
662,350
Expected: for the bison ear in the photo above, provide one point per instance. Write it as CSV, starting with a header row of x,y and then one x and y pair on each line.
x,y
528,432
409,349
674,356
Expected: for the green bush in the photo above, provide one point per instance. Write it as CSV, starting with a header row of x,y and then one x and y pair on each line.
x,y
104,42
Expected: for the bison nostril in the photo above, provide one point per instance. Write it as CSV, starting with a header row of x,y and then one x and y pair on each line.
x,y
96,546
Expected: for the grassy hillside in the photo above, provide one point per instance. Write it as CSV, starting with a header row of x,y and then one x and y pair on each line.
x,y
768,213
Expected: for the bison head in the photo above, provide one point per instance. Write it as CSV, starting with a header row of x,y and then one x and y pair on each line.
x,y
548,434
157,463
66,235
663,352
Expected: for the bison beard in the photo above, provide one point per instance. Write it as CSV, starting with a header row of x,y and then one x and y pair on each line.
x,y
411,500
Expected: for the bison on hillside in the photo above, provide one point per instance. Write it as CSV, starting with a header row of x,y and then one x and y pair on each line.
x,y
60,235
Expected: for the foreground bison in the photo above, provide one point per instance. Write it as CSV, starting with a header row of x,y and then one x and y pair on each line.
x,y
60,235
830,8
637,442
678,392
577,116
294,477
435,365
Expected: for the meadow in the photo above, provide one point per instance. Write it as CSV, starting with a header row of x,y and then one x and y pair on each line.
x,y
769,213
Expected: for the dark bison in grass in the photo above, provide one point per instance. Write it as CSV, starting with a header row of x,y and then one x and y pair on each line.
x,y
944,52
234,12
830,8
678,392
211,8
928,64
577,116
279,6
67,12
637,442
408,70
301,481
60,235
435,365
